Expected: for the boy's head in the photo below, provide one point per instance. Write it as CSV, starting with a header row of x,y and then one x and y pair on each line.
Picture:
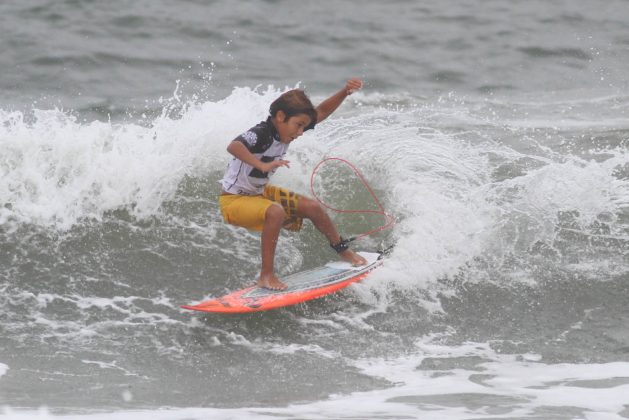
x,y
292,113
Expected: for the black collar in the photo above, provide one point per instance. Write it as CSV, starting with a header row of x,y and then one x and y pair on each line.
x,y
272,130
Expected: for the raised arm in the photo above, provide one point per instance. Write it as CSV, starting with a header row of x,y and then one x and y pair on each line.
x,y
327,107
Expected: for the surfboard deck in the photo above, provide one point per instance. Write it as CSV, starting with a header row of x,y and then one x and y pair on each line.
x,y
302,286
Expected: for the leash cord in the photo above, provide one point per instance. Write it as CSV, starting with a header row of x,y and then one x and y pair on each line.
x,y
388,219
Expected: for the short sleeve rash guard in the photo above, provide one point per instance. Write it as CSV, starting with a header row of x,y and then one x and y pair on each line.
x,y
264,143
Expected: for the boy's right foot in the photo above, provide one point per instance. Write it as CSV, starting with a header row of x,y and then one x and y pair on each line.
x,y
352,258
270,281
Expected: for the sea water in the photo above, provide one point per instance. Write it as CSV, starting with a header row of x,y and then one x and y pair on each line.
x,y
495,132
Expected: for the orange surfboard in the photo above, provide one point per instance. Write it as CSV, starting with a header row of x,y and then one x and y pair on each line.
x,y
302,286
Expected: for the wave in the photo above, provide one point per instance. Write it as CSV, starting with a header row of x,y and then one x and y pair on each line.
x,y
107,227
58,171
461,181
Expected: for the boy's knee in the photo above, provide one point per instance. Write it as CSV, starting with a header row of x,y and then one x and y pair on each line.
x,y
275,213
310,208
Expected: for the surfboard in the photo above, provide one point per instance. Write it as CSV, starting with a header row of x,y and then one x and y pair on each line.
x,y
302,286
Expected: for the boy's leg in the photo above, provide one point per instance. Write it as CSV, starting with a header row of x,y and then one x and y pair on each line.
x,y
258,214
273,220
310,209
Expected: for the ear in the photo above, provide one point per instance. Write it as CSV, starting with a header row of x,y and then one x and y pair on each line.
x,y
280,115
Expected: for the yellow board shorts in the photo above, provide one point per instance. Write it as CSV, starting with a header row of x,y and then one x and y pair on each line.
x,y
248,211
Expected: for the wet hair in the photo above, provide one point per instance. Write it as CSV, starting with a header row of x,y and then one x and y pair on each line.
x,y
294,102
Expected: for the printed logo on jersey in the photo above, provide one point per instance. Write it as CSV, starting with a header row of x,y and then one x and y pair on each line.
x,y
250,137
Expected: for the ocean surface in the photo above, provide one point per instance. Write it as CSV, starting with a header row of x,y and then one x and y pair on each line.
x,y
496,132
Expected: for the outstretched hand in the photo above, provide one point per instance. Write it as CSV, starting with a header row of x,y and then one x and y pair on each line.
x,y
353,85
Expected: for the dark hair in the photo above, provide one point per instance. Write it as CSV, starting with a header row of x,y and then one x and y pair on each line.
x,y
294,102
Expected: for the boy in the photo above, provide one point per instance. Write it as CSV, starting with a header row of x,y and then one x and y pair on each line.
x,y
246,200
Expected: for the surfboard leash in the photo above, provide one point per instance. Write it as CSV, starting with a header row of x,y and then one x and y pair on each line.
x,y
389,220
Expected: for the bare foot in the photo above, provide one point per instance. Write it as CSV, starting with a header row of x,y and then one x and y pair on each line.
x,y
352,258
270,281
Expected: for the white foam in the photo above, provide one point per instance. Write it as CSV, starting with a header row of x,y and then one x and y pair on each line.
x,y
586,187
427,178
475,382
128,312
57,171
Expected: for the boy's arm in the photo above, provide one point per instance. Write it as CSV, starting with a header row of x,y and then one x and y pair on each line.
x,y
327,107
240,152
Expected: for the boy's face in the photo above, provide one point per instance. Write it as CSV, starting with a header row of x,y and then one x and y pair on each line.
x,y
292,128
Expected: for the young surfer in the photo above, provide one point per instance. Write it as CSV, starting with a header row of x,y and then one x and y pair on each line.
x,y
247,200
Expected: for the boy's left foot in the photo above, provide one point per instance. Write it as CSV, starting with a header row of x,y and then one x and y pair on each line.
x,y
271,282
352,258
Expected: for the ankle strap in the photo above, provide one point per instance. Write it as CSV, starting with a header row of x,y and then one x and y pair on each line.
x,y
342,245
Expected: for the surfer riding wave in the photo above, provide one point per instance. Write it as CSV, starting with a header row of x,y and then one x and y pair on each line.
x,y
248,201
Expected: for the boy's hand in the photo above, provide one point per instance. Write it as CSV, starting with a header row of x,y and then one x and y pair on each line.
x,y
269,166
353,85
